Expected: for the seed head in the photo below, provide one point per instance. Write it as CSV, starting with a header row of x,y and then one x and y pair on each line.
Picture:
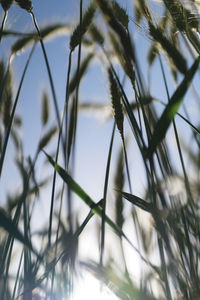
x,y
6,4
25,4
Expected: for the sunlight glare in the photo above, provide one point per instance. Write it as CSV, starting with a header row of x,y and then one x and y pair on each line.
x,y
90,288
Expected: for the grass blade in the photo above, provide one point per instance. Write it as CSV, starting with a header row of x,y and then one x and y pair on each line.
x,y
76,188
87,219
137,201
171,109
7,224
121,286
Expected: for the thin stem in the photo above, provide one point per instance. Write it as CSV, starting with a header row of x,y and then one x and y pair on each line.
x,y
75,115
49,72
3,24
65,110
126,164
187,185
16,217
13,111
60,123
105,195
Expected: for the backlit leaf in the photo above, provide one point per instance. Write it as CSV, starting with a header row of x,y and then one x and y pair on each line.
x,y
171,109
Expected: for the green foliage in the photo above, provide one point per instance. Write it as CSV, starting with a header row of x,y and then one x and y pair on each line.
x,y
161,213
171,109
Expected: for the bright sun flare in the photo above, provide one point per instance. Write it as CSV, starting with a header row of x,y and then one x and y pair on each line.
x,y
89,288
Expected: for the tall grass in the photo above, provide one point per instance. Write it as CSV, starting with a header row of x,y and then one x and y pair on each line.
x,y
160,222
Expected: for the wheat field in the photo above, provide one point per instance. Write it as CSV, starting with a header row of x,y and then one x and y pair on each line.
x,y
99,150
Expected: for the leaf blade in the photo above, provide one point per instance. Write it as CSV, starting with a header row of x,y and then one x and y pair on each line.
x,y
8,225
171,109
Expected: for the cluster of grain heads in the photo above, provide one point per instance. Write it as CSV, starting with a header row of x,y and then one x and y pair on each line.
x,y
76,39
120,14
168,44
172,38
184,21
82,28
138,13
142,10
123,58
175,235
117,26
25,4
171,51
6,4
182,17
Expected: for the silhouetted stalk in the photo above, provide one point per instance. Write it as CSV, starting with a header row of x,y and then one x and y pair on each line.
x,y
105,196
13,111
3,24
49,72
